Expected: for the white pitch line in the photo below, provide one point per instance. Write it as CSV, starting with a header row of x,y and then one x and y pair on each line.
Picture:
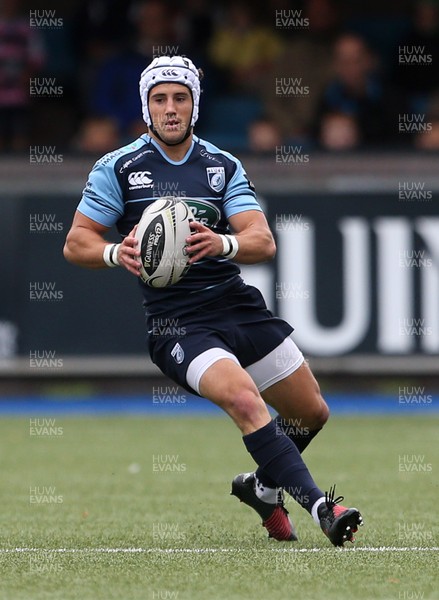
x,y
212,550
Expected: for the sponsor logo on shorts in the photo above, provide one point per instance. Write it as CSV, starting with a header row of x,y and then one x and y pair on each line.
x,y
177,353
140,179
216,177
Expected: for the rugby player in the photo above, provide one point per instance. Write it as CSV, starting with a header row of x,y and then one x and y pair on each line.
x,y
231,340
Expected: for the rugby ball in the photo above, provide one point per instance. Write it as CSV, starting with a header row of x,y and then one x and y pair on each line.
x,y
161,235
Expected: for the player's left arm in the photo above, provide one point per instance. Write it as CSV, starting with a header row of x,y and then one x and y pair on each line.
x,y
253,234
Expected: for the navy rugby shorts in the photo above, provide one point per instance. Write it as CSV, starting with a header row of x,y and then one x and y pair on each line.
x,y
237,326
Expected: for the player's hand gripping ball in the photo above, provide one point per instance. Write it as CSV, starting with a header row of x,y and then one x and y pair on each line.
x,y
161,235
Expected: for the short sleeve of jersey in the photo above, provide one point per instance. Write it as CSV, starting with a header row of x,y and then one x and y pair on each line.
x,y
240,195
102,197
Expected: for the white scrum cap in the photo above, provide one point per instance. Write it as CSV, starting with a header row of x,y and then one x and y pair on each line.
x,y
170,69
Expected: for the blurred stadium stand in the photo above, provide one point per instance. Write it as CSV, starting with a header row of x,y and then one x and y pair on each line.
x,y
238,112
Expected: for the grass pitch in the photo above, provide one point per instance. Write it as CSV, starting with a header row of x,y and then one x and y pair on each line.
x,y
139,508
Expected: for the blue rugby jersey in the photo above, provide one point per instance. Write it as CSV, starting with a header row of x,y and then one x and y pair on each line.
x,y
213,182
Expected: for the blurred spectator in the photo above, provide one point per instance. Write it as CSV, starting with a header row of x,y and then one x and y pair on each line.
x,y
339,132
195,27
115,92
429,139
263,136
244,49
100,26
21,56
416,68
97,135
357,91
292,89
228,118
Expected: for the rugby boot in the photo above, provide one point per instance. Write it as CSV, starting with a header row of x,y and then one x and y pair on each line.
x,y
338,523
274,516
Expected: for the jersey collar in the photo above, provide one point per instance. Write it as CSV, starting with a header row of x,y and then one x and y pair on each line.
x,y
148,138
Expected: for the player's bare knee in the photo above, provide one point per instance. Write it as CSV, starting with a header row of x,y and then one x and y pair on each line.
x,y
245,406
318,409
321,413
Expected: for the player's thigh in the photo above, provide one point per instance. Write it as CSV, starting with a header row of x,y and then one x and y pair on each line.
x,y
298,396
229,386
287,383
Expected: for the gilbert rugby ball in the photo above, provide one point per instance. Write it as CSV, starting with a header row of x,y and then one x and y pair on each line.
x,y
161,235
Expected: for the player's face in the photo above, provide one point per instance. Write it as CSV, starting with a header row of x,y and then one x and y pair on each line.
x,y
170,107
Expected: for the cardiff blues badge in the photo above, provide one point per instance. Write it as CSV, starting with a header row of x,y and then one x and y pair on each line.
x,y
177,353
216,177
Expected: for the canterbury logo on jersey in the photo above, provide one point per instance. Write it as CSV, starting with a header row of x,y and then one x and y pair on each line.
x,y
170,73
140,179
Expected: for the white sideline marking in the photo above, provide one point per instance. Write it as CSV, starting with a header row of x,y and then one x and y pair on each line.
x,y
213,550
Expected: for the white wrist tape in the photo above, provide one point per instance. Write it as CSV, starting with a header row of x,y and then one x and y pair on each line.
x,y
230,245
110,255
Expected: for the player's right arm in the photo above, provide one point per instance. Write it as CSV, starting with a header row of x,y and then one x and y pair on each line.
x,y
100,208
85,244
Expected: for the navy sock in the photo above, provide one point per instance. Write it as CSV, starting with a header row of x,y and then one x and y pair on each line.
x,y
301,436
277,455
